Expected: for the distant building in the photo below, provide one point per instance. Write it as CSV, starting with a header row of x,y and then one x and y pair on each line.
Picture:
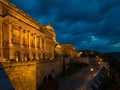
x,y
68,50
58,51
23,38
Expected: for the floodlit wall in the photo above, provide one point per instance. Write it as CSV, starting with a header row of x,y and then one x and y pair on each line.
x,y
29,75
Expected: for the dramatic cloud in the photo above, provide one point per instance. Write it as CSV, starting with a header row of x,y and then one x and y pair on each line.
x,y
87,24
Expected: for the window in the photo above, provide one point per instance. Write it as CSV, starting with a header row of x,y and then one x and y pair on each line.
x,y
15,36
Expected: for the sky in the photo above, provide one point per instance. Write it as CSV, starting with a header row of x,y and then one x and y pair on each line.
x,y
87,24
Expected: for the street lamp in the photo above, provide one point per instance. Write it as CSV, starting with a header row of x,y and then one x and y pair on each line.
x,y
99,62
100,59
91,69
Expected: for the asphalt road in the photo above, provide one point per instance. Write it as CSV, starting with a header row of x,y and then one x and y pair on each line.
x,y
79,79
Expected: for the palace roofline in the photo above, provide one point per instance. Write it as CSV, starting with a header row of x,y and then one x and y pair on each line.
x,y
21,12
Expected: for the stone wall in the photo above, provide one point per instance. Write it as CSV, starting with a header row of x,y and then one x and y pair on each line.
x,y
81,60
44,68
28,75
21,74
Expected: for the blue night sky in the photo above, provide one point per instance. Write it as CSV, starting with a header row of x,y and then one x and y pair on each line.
x,y
87,24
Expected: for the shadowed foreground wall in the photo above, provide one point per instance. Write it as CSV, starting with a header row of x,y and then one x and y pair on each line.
x,y
21,74
44,68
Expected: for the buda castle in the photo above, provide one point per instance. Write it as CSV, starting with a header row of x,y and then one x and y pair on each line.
x,y
28,50
23,38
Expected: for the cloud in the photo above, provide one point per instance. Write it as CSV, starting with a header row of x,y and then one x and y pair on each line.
x,y
83,23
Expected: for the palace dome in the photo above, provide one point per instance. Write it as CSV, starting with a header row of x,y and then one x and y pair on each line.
x,y
49,27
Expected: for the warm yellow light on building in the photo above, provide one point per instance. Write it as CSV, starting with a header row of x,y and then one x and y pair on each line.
x,y
80,53
16,58
58,46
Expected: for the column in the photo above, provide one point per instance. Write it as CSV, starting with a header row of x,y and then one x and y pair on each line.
x,y
44,45
11,53
10,36
21,43
35,42
29,39
40,43
43,49
41,54
45,52
21,37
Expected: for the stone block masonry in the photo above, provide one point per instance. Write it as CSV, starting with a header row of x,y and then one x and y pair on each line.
x,y
44,68
21,74
28,75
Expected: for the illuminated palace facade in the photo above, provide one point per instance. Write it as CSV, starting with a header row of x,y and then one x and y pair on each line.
x,y
23,38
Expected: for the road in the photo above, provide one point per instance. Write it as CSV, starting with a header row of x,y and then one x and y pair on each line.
x,y
78,79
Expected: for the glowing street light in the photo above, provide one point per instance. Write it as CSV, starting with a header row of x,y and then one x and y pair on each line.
x,y
91,69
99,62
100,59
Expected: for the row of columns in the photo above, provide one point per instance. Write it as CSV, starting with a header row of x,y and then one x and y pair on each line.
x,y
46,49
42,42
21,38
